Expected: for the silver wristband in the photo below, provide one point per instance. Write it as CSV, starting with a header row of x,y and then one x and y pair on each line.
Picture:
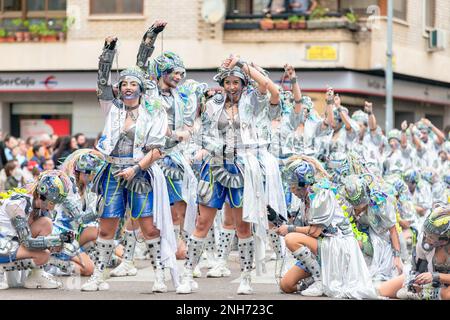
x,y
294,80
291,228
136,168
395,253
240,63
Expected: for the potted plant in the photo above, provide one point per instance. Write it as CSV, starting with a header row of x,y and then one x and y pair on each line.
x,y
297,22
315,20
66,24
2,35
26,30
18,32
266,24
352,20
34,32
281,24
10,36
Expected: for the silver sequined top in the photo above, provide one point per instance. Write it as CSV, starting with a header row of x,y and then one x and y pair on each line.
x,y
229,131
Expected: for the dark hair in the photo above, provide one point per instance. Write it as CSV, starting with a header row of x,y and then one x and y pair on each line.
x,y
36,148
63,150
9,167
78,134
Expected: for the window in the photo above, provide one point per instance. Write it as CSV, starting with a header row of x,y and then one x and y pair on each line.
x,y
400,9
33,10
430,13
357,6
117,7
249,7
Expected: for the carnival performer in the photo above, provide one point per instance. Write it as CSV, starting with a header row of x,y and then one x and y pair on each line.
x,y
230,170
429,276
398,155
79,213
369,139
428,147
375,210
421,194
25,236
325,247
345,130
132,139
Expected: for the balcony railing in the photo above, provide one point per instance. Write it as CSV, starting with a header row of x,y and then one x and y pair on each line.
x,y
283,21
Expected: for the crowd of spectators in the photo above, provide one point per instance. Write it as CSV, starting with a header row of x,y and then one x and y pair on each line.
x,y
22,160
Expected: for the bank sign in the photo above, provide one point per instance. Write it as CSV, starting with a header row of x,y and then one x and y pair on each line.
x,y
44,82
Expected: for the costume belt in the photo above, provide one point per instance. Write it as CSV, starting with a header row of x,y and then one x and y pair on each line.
x,y
120,161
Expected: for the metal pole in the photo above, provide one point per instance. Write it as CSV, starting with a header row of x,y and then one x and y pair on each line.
x,y
388,73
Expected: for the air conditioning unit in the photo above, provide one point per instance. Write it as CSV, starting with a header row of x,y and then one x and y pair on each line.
x,y
437,40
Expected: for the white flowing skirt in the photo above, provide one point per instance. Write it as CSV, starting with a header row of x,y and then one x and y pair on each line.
x,y
344,271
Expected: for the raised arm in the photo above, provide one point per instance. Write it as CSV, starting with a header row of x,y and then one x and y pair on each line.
x,y
329,115
290,71
104,88
439,134
372,120
344,115
148,43
263,82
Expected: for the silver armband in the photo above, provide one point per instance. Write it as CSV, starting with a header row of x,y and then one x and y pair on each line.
x,y
88,217
42,242
291,228
22,228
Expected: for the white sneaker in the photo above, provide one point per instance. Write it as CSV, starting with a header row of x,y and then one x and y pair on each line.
x,y
245,285
125,268
39,279
219,270
95,283
314,290
187,285
158,284
210,259
3,282
197,273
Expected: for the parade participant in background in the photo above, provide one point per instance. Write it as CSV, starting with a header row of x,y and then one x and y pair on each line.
x,y
421,194
370,137
230,170
134,134
321,245
375,211
25,238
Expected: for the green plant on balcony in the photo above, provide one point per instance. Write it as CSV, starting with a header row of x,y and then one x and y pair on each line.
x,y
34,31
2,34
297,22
318,13
352,20
18,29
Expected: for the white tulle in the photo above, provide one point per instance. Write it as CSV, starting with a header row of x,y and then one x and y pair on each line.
x,y
344,271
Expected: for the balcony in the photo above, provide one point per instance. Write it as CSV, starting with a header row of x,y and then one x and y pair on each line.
x,y
22,31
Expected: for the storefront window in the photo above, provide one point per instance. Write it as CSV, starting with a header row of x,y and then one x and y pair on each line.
x,y
117,6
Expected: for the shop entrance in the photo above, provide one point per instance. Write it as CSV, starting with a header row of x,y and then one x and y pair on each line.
x,y
33,119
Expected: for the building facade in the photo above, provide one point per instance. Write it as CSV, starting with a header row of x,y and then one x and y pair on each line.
x,y
51,85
